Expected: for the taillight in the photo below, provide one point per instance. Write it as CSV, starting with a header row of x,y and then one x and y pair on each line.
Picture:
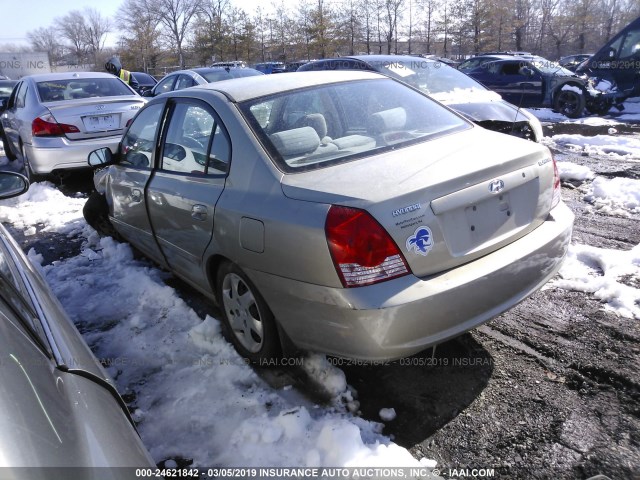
x,y
557,189
362,251
46,126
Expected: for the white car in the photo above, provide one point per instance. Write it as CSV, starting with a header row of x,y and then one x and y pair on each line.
x,y
54,120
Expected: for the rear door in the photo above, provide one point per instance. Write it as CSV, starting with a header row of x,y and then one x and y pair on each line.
x,y
191,174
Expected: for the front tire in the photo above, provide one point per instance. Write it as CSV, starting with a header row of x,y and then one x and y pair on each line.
x,y
569,102
247,320
96,213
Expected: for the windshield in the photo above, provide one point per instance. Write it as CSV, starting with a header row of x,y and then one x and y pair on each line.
x,y
59,90
328,124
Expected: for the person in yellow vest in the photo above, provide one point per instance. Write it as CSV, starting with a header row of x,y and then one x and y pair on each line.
x,y
114,66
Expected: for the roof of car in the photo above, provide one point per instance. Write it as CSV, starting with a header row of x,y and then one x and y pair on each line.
x,y
47,77
246,88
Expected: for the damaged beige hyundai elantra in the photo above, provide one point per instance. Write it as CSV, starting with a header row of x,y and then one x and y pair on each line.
x,y
339,212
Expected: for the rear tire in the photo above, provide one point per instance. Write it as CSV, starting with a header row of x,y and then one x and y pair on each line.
x,y
247,320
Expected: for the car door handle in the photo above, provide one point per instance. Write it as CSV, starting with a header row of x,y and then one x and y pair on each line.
x,y
199,212
136,195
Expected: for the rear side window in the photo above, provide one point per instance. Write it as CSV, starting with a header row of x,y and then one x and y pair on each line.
x,y
195,142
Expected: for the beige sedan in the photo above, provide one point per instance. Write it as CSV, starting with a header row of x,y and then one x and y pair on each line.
x,y
339,212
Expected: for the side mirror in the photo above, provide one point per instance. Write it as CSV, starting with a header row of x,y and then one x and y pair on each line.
x,y
4,102
147,93
12,184
101,157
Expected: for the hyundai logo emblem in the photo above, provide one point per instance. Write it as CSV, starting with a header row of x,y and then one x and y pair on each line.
x,y
496,186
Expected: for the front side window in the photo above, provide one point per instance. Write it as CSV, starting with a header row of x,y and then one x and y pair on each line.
x,y
137,146
195,142
21,95
630,46
184,81
323,125
165,85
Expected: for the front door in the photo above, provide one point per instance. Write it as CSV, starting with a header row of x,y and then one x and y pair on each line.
x,y
190,177
129,180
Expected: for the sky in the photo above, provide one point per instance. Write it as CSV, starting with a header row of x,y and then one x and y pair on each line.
x,y
17,22
196,398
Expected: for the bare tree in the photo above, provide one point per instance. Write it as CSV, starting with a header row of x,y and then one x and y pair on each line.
x,y
72,27
95,32
175,16
46,40
139,27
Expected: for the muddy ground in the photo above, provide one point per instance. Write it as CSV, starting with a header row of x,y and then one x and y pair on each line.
x,y
550,389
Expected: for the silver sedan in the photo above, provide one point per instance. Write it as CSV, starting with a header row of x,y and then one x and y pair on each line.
x,y
54,120
59,407
340,212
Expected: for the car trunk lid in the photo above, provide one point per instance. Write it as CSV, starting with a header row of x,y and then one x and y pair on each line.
x,y
96,117
445,202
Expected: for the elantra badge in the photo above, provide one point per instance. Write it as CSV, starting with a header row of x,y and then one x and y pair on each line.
x,y
421,242
496,186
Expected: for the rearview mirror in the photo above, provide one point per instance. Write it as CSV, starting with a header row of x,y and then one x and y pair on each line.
x,y
12,184
100,157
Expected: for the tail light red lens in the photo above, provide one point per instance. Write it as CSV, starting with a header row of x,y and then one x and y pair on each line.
x,y
362,251
46,126
557,188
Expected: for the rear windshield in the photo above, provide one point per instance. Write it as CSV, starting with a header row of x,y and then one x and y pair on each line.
x,y
320,126
59,90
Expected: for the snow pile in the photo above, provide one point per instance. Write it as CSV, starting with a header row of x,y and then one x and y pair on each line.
x,y
572,171
612,276
192,394
627,147
616,196
45,207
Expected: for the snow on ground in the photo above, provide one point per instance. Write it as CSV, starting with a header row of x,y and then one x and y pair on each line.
x,y
572,171
631,113
612,276
195,397
601,145
616,196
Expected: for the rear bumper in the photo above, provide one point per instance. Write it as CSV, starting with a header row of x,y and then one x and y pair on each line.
x,y
46,155
403,316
